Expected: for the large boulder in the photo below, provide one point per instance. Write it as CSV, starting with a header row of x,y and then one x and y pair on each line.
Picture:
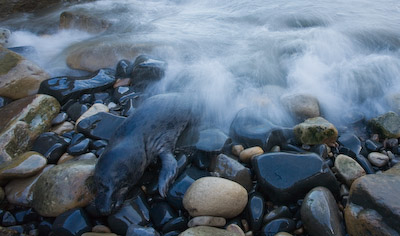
x,y
64,187
22,121
316,130
19,77
373,207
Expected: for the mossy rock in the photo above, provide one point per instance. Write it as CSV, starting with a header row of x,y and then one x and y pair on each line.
x,y
316,131
386,125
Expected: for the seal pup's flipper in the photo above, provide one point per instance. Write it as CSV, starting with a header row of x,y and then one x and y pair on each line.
x,y
169,170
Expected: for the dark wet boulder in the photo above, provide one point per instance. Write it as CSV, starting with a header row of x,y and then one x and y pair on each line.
x,y
74,222
161,213
320,213
65,88
250,129
286,177
76,110
350,144
146,69
211,141
100,126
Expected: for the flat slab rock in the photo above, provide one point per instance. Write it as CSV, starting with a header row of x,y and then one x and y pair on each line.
x,y
374,208
286,177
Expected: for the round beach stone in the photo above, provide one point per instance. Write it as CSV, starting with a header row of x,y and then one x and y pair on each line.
x,y
212,196
64,187
378,159
348,169
28,164
315,130
234,228
207,231
237,149
63,128
207,221
248,153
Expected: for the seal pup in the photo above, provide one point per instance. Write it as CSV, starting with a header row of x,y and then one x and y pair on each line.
x,y
151,131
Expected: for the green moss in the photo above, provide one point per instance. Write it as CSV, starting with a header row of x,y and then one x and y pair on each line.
x,y
8,60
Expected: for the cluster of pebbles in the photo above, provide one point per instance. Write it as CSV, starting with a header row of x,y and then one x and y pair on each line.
x,y
260,179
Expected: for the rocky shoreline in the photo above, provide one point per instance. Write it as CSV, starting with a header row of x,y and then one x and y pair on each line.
x,y
258,179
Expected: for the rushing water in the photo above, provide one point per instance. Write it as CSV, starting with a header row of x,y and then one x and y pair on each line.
x,y
238,53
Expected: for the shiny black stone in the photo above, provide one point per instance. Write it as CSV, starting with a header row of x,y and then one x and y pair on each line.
x,y
255,211
130,213
161,213
98,144
211,141
51,146
86,99
45,227
176,224
76,110
60,118
71,223
8,219
351,144
146,69
100,126
137,230
124,93
124,69
181,185
365,164
172,233
280,212
286,177
65,88
79,147
202,160
278,225
373,146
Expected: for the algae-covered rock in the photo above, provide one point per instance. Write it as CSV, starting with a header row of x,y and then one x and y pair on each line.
x,y
387,125
22,121
316,131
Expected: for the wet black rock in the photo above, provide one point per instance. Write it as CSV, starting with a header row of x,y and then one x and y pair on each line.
x,y
365,164
278,225
65,88
25,215
98,144
129,107
60,118
351,145
231,169
320,213
134,211
71,223
172,233
161,213
124,69
7,219
176,224
100,126
51,146
211,141
79,145
280,212
76,110
250,129
181,185
86,99
123,93
137,230
286,177
255,211
18,228
4,101
45,227
201,160
146,69
321,150
373,146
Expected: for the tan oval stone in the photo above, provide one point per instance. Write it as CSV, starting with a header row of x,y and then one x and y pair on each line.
x,y
96,108
98,234
64,187
207,221
213,196
207,231
248,153
28,164
20,191
101,229
348,169
237,149
234,228
283,234
63,128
